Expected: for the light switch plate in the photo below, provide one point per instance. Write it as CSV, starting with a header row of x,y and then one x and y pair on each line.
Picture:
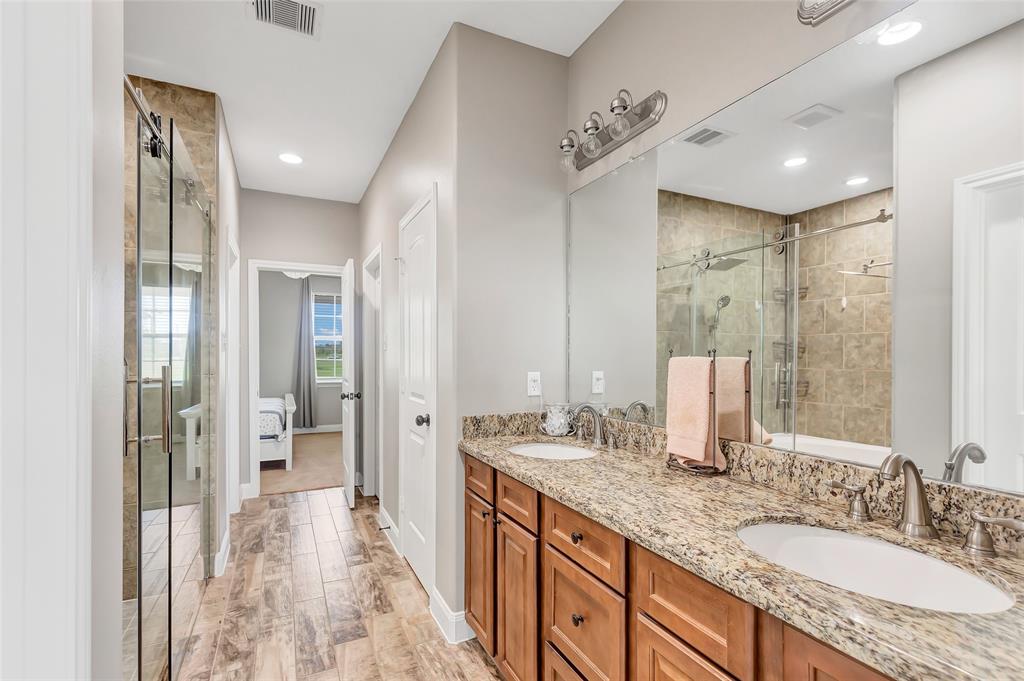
x,y
533,384
597,383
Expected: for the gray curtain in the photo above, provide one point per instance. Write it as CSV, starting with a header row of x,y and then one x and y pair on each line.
x,y
192,380
305,376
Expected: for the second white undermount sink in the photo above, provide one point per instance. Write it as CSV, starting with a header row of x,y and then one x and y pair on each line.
x,y
875,568
552,450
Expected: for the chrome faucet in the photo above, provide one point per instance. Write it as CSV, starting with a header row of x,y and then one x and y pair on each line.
x,y
598,423
954,471
642,406
917,516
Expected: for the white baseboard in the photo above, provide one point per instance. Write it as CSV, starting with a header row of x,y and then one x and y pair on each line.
x,y
221,562
390,531
247,490
330,428
453,624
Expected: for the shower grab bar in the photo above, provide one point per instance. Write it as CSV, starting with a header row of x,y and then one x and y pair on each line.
x,y
881,217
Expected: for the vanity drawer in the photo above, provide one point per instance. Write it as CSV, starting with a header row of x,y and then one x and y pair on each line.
x,y
716,623
519,502
583,619
590,544
660,656
480,479
556,668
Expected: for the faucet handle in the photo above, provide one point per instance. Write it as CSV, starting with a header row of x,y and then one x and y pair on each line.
x,y
978,541
858,509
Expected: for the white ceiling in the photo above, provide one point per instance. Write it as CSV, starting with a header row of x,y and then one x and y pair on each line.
x,y
856,78
338,100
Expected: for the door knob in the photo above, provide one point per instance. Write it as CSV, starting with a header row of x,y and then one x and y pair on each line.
x,y
355,396
344,396
423,420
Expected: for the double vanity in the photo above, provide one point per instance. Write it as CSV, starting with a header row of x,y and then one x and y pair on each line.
x,y
600,564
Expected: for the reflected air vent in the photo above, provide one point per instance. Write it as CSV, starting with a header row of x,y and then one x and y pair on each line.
x,y
300,17
708,137
813,115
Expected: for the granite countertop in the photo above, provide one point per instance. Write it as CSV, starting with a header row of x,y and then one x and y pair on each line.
x,y
692,521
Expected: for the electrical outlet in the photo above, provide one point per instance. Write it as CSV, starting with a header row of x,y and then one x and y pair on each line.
x,y
533,384
597,383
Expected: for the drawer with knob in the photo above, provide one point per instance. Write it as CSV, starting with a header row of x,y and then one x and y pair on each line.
x,y
583,618
592,545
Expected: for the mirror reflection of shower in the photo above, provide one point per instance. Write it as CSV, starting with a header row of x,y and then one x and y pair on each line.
x,y
720,304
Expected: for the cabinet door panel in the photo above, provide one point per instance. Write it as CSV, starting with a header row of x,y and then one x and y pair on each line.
x,y
807,659
519,502
517,602
556,668
660,656
480,570
480,479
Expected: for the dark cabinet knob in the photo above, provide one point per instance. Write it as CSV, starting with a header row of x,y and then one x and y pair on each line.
x,y
423,420
577,620
576,537
497,521
484,514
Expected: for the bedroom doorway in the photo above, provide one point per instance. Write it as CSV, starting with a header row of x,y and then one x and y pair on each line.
x,y
297,357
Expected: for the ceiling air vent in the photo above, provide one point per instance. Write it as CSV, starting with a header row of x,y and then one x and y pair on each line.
x,y
708,137
300,17
813,115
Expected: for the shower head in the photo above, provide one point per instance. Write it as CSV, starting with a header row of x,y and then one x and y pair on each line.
x,y
723,264
723,302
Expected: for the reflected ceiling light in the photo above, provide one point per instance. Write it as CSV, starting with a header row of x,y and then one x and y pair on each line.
x,y
290,159
898,33
854,181
795,161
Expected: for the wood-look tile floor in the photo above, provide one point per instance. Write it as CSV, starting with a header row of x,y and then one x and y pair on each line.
x,y
316,591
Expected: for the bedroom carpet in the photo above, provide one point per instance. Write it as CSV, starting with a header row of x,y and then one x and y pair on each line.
x,y
316,464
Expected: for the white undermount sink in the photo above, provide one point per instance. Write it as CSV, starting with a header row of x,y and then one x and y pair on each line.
x,y
875,568
552,450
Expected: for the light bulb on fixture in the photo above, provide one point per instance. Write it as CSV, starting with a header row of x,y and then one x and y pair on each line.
x,y
591,146
568,147
619,127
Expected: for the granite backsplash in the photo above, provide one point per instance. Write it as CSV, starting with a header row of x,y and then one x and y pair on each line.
x,y
794,473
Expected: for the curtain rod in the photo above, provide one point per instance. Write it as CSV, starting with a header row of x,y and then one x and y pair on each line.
x,y
881,217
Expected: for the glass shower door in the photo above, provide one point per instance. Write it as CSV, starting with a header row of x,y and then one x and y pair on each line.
x,y
154,382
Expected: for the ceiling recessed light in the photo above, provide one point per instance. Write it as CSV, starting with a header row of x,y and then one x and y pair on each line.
x,y
854,181
291,159
898,33
795,161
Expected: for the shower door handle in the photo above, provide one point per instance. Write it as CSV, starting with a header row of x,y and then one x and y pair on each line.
x,y
778,385
165,407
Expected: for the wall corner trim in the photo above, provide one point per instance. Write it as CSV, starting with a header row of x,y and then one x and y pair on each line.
x,y
220,564
453,624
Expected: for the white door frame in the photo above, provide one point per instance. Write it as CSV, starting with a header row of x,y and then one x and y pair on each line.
x,y
373,381
253,305
969,198
429,199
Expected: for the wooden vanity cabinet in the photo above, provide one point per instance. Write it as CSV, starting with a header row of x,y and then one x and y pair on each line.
x,y
480,573
790,655
517,629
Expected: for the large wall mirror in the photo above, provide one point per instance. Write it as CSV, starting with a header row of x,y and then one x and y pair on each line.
x,y
856,227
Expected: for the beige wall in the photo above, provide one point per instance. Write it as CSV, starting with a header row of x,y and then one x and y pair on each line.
x,y
704,55
956,115
422,152
846,361
286,228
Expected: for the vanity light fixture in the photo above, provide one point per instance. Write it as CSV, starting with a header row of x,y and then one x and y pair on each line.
x,y
591,146
568,146
290,158
898,33
630,118
619,127
854,181
795,162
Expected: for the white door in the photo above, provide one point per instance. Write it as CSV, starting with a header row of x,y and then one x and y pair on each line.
x,y
349,396
418,382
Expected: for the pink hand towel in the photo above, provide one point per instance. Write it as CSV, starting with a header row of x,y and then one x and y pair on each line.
x,y
688,410
732,377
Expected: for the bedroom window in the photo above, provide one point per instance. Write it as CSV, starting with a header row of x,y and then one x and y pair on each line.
x,y
160,316
327,337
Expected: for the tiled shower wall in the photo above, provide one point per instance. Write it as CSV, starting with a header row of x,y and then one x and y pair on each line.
x,y
686,304
194,113
845,324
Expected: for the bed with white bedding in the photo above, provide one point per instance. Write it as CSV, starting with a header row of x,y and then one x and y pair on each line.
x,y
274,426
